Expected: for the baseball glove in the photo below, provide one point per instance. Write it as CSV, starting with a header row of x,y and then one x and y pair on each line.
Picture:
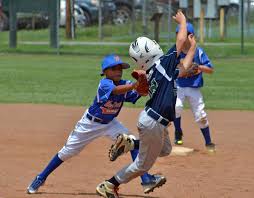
x,y
123,144
191,71
142,86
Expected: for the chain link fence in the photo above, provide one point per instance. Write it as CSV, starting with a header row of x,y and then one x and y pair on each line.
x,y
224,24
121,21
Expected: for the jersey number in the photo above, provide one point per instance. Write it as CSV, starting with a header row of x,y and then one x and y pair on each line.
x,y
153,87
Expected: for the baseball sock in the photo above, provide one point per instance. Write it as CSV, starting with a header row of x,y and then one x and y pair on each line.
x,y
53,164
177,123
113,180
145,178
206,134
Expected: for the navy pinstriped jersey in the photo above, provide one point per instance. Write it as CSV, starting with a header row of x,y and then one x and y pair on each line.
x,y
162,86
106,105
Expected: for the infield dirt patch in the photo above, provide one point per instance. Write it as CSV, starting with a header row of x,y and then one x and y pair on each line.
x,y
32,134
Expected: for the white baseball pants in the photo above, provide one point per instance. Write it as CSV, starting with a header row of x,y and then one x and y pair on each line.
x,y
85,132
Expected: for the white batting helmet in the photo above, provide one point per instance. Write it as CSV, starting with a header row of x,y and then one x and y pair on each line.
x,y
145,52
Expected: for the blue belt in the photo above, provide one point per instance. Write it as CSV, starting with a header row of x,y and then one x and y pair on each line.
x,y
95,119
153,114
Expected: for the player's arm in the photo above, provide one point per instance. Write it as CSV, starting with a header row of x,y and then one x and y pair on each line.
x,y
186,63
205,69
182,34
122,89
205,63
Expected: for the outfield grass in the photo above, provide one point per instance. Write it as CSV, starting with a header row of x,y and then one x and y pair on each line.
x,y
73,80
123,33
114,34
222,51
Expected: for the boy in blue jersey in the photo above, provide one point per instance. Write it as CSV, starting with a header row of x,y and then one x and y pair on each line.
x,y
189,88
153,121
100,120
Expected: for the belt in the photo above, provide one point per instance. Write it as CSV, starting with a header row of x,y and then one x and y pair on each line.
x,y
156,116
95,119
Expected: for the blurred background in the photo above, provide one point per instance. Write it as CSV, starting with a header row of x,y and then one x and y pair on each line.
x,y
124,20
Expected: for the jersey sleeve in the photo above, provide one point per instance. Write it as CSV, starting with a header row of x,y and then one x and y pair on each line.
x,y
105,88
170,60
131,96
172,50
204,60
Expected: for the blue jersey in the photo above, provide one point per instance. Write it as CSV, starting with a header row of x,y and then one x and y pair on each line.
x,y
195,81
162,89
106,105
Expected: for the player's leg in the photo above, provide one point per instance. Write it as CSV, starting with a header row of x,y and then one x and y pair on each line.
x,y
40,179
83,134
149,182
159,180
120,134
167,147
151,140
197,106
178,109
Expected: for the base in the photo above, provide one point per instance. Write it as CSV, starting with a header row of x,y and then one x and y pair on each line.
x,y
181,151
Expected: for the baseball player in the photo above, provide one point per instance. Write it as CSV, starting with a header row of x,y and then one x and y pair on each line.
x,y
160,108
189,88
100,120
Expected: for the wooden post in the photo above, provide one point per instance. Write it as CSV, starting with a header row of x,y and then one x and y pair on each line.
x,y
156,18
201,25
222,25
68,19
156,28
144,18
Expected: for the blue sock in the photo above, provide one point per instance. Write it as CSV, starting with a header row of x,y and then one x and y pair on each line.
x,y
53,164
206,134
146,178
177,123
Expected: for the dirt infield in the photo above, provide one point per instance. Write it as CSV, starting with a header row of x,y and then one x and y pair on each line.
x,y
32,134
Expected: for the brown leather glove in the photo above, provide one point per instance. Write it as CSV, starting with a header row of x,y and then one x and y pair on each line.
x,y
142,86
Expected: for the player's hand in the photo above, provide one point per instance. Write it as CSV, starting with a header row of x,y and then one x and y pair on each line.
x,y
192,40
179,17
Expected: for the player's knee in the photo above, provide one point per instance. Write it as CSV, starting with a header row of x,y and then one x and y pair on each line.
x,y
65,153
166,152
203,122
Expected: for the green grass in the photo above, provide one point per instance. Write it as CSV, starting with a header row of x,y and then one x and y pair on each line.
x,y
73,80
115,34
222,51
123,33
231,86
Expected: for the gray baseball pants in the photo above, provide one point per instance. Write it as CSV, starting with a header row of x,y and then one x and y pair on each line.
x,y
154,142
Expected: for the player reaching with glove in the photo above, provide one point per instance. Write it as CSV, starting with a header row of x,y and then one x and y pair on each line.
x,y
160,108
100,120
188,87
